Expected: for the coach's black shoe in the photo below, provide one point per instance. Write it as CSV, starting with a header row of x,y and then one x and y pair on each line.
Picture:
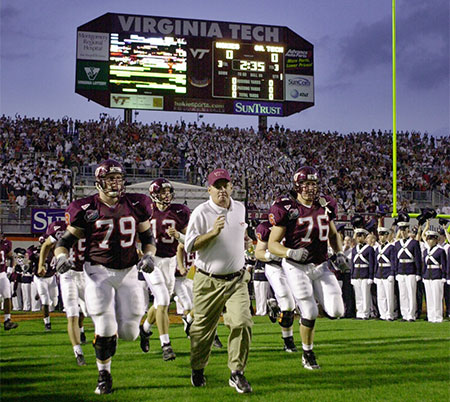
x,y
309,360
8,324
80,360
238,381
198,378
217,343
273,310
168,353
186,325
145,339
48,327
289,345
104,383
83,338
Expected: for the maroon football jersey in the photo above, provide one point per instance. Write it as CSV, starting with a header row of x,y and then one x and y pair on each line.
x,y
176,216
262,231
188,259
306,227
5,249
33,258
110,232
56,230
77,255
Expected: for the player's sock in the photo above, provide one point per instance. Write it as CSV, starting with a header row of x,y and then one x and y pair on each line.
x,y
189,318
82,330
307,347
77,350
286,333
147,326
104,366
46,320
164,339
7,317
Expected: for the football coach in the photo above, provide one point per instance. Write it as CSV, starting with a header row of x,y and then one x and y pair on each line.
x,y
217,232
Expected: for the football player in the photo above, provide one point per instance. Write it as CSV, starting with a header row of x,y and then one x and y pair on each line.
x,y
304,220
277,279
408,268
72,284
5,288
45,279
168,223
110,221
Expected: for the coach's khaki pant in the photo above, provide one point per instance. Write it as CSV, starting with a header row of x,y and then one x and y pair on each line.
x,y
210,297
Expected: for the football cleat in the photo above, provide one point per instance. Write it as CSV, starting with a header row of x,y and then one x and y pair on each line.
x,y
273,309
104,383
186,325
83,338
48,327
80,360
8,324
309,360
198,378
145,339
239,382
168,353
289,345
216,342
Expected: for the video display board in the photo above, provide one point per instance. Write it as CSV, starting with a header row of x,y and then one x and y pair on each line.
x,y
160,63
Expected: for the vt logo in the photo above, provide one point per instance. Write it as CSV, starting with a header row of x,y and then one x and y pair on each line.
x,y
92,72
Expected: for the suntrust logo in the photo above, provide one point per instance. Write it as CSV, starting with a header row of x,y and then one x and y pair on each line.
x,y
258,108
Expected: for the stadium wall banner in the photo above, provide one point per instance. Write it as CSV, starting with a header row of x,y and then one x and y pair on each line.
x,y
199,105
41,218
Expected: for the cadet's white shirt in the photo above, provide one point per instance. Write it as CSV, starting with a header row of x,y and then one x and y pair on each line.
x,y
224,254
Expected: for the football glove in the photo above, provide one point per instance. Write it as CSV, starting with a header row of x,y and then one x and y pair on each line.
x,y
298,254
146,264
63,264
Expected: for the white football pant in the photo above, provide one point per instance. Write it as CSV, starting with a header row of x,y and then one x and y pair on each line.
x,y
183,289
47,289
112,300
261,292
72,288
162,280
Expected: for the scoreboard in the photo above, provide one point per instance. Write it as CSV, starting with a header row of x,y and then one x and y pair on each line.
x,y
171,64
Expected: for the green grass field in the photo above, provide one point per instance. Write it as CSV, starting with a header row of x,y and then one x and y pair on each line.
x,y
360,360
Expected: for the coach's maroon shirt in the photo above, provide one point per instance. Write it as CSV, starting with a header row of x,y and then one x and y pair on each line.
x,y
177,216
306,227
110,232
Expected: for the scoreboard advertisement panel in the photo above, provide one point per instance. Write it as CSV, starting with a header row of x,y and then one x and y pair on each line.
x,y
171,64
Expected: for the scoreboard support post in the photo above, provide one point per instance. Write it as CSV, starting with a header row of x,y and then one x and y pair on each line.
x,y
128,115
262,124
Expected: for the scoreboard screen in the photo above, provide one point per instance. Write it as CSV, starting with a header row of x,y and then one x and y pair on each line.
x,y
248,71
161,63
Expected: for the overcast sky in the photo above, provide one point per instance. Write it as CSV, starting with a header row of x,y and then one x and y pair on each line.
x,y
352,40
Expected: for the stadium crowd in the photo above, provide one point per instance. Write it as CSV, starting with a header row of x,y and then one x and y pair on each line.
x,y
39,154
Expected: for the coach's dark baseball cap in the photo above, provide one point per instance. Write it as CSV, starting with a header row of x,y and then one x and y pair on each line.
x,y
218,174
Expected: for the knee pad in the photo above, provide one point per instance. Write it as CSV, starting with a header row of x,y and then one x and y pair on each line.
x,y
308,323
286,319
105,347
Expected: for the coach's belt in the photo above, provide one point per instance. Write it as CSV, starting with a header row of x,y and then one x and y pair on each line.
x,y
227,277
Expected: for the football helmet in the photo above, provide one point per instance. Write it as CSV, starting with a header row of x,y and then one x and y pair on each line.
x,y
161,191
306,174
111,186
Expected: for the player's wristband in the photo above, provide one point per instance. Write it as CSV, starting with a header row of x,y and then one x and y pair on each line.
x,y
182,238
